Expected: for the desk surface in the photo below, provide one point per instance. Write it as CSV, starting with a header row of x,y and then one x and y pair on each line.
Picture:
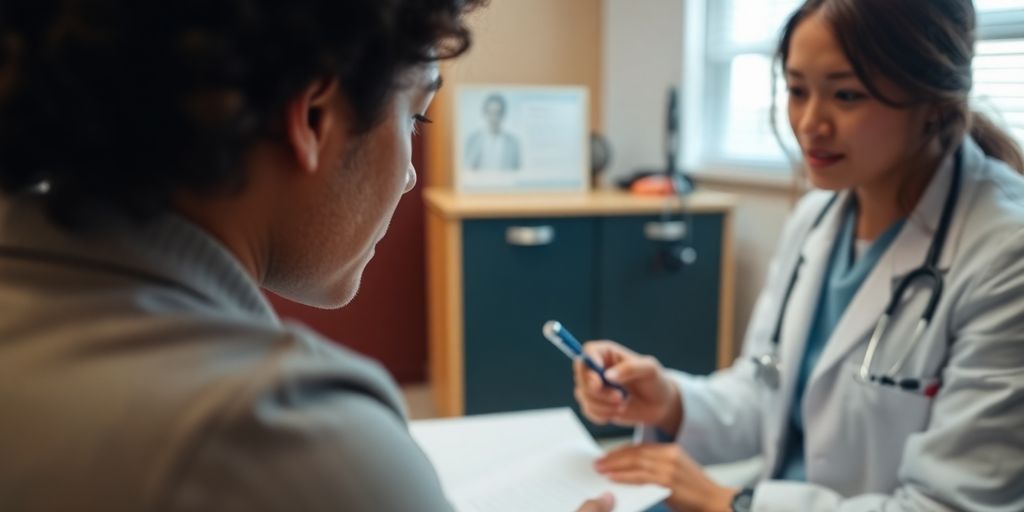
x,y
453,205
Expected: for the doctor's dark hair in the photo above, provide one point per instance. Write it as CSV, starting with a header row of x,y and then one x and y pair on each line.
x,y
121,103
924,47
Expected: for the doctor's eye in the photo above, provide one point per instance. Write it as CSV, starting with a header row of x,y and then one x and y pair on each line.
x,y
796,91
850,96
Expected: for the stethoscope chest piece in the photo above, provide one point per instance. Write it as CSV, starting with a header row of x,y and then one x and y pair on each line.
x,y
766,368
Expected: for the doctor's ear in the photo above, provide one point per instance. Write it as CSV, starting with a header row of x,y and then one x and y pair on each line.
x,y
933,121
311,118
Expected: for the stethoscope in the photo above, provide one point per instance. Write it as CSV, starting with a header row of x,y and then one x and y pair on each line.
x,y
767,365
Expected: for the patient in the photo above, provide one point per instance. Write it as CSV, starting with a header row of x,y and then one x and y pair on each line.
x,y
159,163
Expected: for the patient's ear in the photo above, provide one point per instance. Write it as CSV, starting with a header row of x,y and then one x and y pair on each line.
x,y
311,119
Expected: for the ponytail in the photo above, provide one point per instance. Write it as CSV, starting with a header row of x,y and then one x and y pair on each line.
x,y
995,141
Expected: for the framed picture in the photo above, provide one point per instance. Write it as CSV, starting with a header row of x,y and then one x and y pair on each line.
x,y
521,139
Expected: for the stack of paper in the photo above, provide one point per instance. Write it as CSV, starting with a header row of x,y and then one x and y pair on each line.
x,y
523,461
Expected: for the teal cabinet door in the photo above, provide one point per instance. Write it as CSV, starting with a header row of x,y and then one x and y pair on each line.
x,y
518,274
670,314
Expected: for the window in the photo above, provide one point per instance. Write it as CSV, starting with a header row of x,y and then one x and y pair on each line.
x,y
727,77
999,63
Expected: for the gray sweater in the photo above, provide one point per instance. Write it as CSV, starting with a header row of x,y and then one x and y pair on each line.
x,y
141,369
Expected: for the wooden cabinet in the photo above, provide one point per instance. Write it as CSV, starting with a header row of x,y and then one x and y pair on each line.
x,y
500,266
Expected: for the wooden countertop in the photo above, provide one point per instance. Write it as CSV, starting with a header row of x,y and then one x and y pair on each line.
x,y
570,204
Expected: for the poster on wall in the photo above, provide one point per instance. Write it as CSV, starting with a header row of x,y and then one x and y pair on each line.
x,y
521,139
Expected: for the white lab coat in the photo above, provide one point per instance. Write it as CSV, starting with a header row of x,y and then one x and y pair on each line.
x,y
873,448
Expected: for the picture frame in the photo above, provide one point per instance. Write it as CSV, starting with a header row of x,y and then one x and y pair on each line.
x,y
511,139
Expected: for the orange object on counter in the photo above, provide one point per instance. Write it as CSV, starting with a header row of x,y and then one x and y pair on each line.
x,y
655,185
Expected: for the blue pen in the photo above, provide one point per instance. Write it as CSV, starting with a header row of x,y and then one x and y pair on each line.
x,y
567,343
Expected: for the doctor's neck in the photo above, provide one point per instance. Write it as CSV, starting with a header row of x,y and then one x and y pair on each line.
x,y
895,194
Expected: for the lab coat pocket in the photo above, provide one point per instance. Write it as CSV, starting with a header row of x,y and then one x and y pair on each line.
x,y
909,409
887,416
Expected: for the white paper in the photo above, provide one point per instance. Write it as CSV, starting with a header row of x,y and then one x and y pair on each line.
x,y
537,460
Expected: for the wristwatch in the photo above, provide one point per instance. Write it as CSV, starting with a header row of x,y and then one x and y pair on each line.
x,y
743,500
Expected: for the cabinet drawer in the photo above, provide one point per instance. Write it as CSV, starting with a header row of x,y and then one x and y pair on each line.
x,y
517,274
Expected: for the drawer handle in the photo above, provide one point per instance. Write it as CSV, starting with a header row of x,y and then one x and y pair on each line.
x,y
666,231
529,236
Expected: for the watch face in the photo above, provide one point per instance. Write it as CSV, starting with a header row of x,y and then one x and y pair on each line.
x,y
743,500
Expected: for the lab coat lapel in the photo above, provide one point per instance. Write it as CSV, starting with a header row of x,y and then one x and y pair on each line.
x,y
803,302
907,253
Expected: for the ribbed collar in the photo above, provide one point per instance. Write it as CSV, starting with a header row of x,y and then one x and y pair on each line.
x,y
168,250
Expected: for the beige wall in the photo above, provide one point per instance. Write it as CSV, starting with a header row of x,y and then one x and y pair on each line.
x,y
521,42
759,217
643,46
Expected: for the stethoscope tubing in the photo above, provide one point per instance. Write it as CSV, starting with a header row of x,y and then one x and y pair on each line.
x,y
767,364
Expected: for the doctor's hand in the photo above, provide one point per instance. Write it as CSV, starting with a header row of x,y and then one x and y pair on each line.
x,y
653,397
602,503
669,466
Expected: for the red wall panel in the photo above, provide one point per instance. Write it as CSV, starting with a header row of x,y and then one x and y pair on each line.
x,y
387,319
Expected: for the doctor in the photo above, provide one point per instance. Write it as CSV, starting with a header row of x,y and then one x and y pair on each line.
x,y
883,368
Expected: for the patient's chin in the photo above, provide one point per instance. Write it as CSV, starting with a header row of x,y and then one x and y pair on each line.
x,y
339,296
325,294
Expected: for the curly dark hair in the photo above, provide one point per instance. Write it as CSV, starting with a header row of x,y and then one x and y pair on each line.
x,y
123,102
